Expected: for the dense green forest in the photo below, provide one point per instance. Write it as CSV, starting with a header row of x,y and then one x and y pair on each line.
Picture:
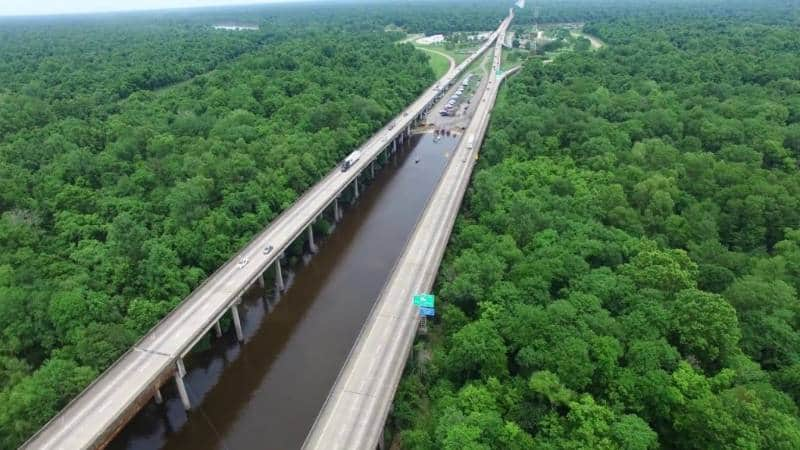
x,y
624,274
135,159
625,271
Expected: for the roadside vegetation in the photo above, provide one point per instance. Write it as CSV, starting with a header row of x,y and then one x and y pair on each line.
x,y
458,53
625,270
438,62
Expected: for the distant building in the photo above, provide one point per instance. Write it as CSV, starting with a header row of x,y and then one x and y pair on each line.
x,y
427,40
236,27
478,37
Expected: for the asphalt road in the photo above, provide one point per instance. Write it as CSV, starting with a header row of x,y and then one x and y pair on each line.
x,y
355,412
93,417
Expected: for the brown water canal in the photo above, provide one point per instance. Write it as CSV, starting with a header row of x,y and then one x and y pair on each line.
x,y
266,392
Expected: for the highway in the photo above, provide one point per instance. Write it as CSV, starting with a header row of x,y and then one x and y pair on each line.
x,y
94,416
355,412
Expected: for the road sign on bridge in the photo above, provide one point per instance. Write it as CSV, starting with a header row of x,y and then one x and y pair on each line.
x,y
427,312
424,300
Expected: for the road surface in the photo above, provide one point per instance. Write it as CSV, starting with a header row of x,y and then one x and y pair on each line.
x,y
355,412
95,415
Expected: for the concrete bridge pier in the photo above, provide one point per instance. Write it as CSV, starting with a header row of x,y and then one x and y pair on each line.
x,y
158,397
394,145
311,246
237,322
261,280
381,441
279,285
355,189
217,329
179,374
337,214
372,170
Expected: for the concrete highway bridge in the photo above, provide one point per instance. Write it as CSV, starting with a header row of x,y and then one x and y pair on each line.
x,y
356,409
93,418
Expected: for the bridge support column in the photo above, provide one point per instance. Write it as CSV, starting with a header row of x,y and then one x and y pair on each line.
x,y
279,276
337,215
381,441
311,246
217,329
372,170
179,374
394,145
355,188
237,323
261,280
158,397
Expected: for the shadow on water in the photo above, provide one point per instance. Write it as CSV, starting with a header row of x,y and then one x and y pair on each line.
x,y
266,393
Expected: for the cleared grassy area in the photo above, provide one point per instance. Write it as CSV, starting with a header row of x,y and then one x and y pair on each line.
x,y
458,54
438,63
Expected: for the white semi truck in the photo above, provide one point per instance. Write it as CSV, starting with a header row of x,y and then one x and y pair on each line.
x,y
350,160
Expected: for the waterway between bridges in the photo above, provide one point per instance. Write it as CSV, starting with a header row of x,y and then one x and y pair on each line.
x,y
266,392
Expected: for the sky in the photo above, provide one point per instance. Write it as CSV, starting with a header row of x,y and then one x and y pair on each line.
x,y
42,7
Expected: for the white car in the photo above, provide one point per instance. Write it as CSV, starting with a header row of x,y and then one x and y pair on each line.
x,y
242,262
268,249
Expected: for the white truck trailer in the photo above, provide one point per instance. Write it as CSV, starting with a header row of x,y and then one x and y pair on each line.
x,y
350,160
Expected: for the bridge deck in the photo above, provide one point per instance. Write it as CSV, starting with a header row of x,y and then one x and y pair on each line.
x,y
356,409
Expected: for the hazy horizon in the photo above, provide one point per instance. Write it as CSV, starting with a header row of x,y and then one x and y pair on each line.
x,y
59,7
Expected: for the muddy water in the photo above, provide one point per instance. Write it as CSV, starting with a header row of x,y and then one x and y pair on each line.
x,y
266,393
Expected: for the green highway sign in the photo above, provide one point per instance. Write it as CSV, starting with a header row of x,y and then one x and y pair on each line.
x,y
424,300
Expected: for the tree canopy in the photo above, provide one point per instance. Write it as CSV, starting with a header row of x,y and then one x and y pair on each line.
x,y
622,274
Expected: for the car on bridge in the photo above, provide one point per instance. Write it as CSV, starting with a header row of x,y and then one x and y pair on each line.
x,y
242,262
268,249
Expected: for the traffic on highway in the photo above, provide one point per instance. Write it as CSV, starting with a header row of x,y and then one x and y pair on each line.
x,y
354,414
